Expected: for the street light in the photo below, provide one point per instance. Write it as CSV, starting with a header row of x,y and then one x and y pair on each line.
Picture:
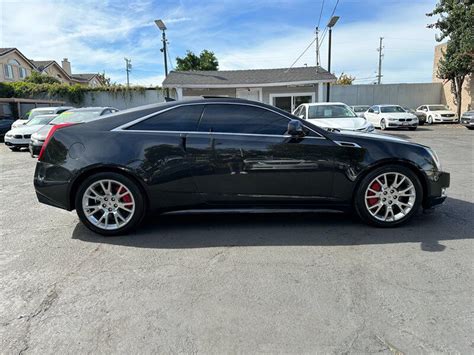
x,y
161,25
330,25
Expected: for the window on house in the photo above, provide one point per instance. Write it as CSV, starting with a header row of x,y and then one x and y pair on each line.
x,y
291,101
8,68
23,73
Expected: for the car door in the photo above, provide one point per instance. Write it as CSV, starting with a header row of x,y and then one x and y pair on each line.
x,y
250,157
370,116
162,145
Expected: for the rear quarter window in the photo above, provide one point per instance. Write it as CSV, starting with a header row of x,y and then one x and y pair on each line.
x,y
183,118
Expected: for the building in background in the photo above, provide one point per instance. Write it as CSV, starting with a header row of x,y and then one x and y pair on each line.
x,y
283,88
448,97
14,66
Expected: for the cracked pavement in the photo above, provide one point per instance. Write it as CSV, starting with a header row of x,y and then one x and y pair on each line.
x,y
240,283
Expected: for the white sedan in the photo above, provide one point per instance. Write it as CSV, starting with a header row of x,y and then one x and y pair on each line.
x,y
391,116
333,115
19,137
437,113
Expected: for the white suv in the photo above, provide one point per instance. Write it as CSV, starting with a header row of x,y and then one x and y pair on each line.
x,y
437,113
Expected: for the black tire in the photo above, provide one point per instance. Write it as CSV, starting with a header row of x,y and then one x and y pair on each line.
x,y
137,194
412,128
359,197
383,126
421,123
470,128
14,149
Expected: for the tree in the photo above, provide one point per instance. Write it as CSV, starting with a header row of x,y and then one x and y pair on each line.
x,y
105,80
37,78
456,23
206,61
345,79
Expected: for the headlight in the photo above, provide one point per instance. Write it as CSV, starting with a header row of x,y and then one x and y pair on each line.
x,y
435,157
437,115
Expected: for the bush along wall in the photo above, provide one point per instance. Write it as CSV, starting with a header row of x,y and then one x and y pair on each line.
x,y
55,91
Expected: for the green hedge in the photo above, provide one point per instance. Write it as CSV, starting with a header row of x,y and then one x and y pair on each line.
x,y
72,93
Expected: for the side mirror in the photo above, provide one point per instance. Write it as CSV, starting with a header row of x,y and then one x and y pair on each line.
x,y
296,129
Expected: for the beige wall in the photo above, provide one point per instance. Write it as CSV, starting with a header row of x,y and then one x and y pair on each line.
x,y
54,71
468,87
5,60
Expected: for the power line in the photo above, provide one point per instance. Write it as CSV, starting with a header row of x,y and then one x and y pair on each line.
x,y
326,29
320,14
309,45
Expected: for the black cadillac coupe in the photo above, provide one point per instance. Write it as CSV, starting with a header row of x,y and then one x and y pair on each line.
x,y
229,153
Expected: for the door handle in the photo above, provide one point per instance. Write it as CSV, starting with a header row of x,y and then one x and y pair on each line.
x,y
183,137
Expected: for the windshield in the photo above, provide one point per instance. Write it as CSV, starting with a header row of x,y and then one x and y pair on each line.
x,y
35,113
360,108
438,108
330,111
392,109
75,116
40,120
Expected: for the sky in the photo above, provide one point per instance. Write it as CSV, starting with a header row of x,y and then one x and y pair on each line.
x,y
96,35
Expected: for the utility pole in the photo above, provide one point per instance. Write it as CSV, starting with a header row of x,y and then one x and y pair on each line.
x,y
317,48
379,75
128,68
330,25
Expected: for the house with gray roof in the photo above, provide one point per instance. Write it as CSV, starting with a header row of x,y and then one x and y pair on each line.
x,y
284,88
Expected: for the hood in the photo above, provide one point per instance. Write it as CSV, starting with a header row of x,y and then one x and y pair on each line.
x,y
442,112
26,129
43,132
350,124
398,115
377,136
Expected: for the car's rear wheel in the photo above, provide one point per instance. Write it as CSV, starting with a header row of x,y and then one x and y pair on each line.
x,y
383,125
109,204
388,196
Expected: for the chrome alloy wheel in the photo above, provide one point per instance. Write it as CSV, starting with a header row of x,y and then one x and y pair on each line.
x,y
390,197
108,204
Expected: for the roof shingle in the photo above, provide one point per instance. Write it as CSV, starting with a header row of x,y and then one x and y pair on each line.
x,y
247,77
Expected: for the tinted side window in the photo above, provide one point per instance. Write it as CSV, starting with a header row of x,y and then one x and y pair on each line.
x,y
376,109
242,119
184,118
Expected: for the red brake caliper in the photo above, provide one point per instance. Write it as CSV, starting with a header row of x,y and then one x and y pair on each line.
x,y
127,198
376,187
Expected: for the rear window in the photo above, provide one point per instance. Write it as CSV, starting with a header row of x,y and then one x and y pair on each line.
x,y
183,118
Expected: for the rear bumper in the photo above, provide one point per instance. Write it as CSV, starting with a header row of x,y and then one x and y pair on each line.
x,y
52,185
437,190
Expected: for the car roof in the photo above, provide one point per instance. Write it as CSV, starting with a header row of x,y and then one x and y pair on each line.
x,y
85,109
50,108
324,103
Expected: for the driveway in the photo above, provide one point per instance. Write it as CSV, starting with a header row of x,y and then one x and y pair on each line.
x,y
240,283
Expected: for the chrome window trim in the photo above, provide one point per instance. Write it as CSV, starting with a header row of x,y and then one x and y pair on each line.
x,y
138,120
346,143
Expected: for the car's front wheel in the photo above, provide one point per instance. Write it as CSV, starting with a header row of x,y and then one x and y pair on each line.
x,y
109,203
383,125
388,196
429,120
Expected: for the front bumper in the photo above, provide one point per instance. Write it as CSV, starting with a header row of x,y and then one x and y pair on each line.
x,y
35,147
446,119
468,122
437,189
398,124
16,142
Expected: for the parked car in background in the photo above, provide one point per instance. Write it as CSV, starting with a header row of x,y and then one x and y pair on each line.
x,y
333,115
391,116
437,114
20,137
230,153
421,116
77,115
40,111
360,110
5,125
467,119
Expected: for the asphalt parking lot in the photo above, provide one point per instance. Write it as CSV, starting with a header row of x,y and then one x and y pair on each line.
x,y
240,283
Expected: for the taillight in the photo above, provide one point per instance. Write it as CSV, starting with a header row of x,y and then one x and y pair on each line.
x,y
50,135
